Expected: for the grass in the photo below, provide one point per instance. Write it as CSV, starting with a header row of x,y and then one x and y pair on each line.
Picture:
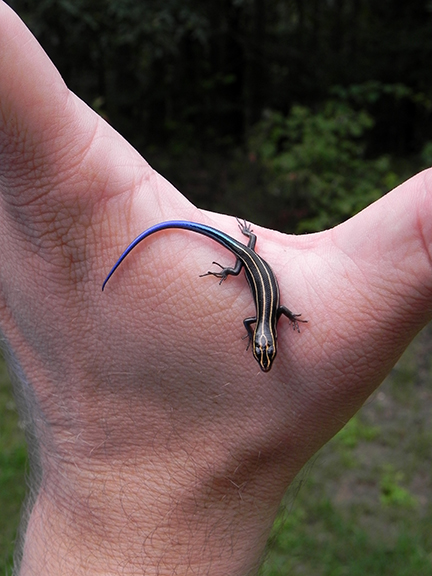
x,y
13,461
362,506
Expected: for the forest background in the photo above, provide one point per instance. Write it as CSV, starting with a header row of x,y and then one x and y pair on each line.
x,y
291,113
294,114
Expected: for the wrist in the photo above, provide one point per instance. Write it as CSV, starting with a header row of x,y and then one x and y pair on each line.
x,y
186,511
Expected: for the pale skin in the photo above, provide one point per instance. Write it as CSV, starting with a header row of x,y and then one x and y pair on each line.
x,y
164,449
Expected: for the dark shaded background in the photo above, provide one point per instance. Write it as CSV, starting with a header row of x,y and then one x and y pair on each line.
x,y
204,91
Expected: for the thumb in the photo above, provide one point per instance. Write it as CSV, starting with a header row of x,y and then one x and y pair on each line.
x,y
391,243
372,278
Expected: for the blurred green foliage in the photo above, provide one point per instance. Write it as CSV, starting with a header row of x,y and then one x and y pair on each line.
x,y
201,74
294,114
319,161
393,493
316,161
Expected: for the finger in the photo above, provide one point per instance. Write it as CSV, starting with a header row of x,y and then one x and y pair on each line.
x,y
59,165
390,242
38,115
57,156
370,292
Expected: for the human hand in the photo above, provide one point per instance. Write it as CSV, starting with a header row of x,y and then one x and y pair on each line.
x,y
163,448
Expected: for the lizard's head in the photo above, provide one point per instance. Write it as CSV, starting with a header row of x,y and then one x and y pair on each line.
x,y
264,351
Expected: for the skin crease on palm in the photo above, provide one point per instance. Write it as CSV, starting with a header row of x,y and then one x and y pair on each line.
x,y
160,446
